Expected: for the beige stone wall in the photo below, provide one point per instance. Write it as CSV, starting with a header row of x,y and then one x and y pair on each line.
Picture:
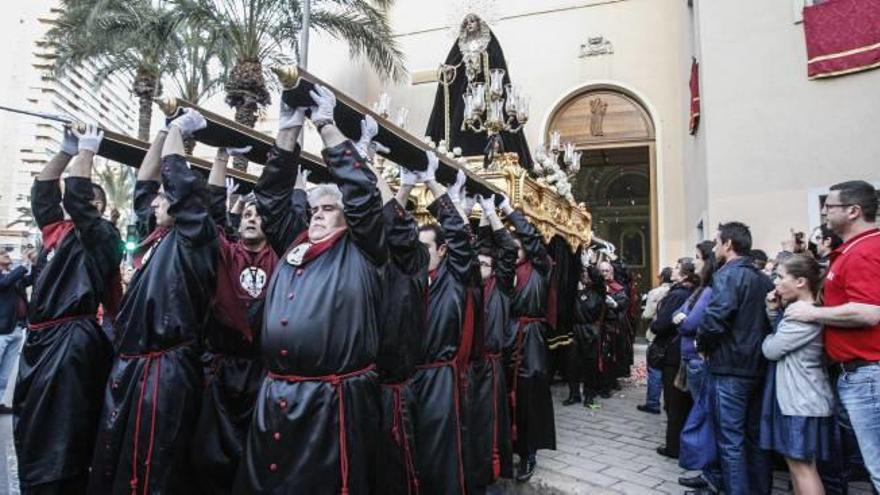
x,y
771,135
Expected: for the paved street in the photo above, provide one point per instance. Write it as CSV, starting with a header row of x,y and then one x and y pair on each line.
x,y
607,451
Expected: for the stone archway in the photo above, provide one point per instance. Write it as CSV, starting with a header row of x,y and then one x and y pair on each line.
x,y
617,179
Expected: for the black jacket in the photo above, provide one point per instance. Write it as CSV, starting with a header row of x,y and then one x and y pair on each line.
x,y
664,329
735,322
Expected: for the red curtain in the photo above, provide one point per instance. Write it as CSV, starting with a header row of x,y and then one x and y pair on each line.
x,y
843,36
695,97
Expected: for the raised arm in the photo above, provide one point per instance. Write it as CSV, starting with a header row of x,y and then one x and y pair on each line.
x,y
147,186
505,248
402,234
79,192
275,192
46,193
187,203
362,202
219,187
531,240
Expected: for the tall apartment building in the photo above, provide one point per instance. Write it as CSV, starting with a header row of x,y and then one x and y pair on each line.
x,y
27,143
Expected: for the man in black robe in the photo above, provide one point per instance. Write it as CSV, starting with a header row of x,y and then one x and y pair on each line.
x,y
316,423
489,423
66,357
613,357
234,371
532,405
151,400
403,309
446,348
583,357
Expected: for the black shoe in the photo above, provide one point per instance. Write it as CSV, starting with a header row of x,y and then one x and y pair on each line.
x,y
665,453
646,409
526,469
571,400
701,491
694,482
5,410
605,394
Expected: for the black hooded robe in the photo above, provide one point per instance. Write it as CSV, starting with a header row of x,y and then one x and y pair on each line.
x,y
316,423
234,371
532,409
152,399
66,357
405,282
471,143
490,441
445,348
583,353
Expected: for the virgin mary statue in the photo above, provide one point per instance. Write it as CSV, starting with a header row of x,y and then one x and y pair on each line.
x,y
472,56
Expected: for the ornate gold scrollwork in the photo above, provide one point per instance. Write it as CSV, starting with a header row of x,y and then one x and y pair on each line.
x,y
168,104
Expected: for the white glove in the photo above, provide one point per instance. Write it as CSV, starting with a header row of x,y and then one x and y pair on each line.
x,y
487,204
70,143
90,139
190,122
610,302
468,203
678,318
505,205
408,177
302,178
455,190
231,187
325,102
369,130
289,118
431,172
239,151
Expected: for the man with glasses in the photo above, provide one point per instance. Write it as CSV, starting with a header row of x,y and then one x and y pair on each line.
x,y
851,312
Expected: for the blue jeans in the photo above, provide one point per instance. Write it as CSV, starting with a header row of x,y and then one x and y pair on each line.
x,y
655,388
10,344
697,374
859,392
746,468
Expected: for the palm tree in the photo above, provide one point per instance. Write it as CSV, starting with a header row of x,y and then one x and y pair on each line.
x,y
138,37
197,74
118,183
254,35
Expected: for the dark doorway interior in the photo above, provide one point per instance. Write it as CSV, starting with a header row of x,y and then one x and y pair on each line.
x,y
615,183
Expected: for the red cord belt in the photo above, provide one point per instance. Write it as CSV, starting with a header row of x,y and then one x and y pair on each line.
x,y
336,381
151,357
494,357
456,400
522,321
36,327
398,433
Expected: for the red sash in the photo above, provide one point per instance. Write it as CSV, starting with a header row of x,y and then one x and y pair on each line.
x,y
336,381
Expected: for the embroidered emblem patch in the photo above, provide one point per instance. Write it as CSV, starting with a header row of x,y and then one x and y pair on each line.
x,y
252,280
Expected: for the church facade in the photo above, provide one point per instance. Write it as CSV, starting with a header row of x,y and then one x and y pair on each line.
x,y
613,78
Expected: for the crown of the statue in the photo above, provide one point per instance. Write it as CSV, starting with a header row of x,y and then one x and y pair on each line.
x,y
486,10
